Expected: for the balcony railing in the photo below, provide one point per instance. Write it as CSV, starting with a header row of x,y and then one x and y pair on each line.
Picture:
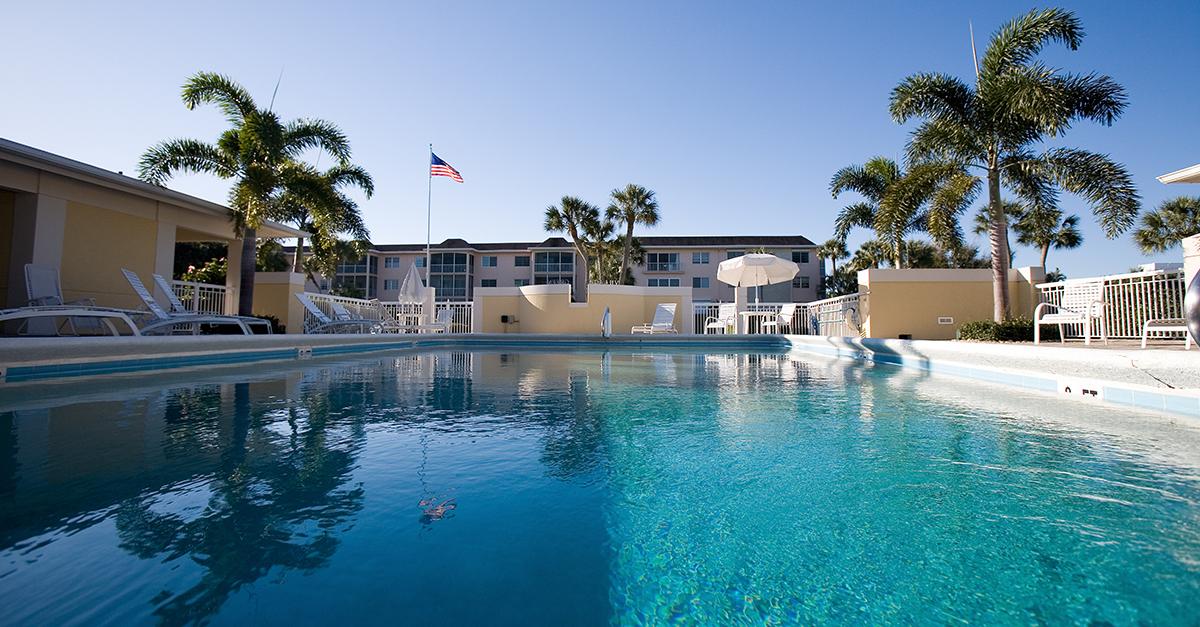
x,y
404,313
840,316
204,298
1129,301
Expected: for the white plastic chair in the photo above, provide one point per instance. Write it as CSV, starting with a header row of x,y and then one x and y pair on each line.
x,y
166,322
782,321
178,308
441,324
664,321
1082,302
725,320
1162,325
318,322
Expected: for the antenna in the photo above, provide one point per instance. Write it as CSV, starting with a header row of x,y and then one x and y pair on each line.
x,y
974,55
277,82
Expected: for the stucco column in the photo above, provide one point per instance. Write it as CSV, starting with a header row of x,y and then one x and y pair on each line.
x,y
428,306
233,275
1191,257
39,222
164,251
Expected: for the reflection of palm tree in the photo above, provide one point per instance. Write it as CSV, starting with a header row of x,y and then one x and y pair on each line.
x,y
268,494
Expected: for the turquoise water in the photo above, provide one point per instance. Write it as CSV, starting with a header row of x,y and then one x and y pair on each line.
x,y
588,488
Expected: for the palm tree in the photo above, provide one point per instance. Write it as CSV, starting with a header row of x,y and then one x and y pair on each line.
x,y
259,153
598,235
1046,228
833,249
999,126
632,205
574,216
982,224
927,198
1174,220
318,204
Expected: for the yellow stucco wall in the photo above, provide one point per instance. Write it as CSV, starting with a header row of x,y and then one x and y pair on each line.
x,y
913,305
274,295
555,313
6,232
97,243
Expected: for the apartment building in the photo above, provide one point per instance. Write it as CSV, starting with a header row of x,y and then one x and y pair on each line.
x,y
456,266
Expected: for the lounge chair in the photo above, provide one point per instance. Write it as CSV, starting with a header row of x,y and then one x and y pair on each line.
x,y
441,324
1082,302
164,322
664,321
48,313
781,321
178,308
318,321
1163,325
725,320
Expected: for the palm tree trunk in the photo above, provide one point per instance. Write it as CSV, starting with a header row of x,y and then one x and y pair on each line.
x,y
249,254
998,238
1045,253
298,260
625,253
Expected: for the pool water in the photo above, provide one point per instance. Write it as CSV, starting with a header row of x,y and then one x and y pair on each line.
x,y
529,487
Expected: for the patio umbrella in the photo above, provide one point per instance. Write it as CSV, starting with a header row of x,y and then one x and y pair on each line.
x,y
754,270
412,290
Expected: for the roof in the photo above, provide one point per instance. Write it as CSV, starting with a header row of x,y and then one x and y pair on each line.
x,y
1186,175
78,170
683,241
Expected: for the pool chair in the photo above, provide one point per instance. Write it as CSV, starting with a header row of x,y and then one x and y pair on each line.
x,y
664,321
441,324
724,322
781,321
163,322
317,321
1167,325
48,313
178,308
1082,302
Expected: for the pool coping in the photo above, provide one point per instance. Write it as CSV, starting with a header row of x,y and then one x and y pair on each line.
x,y
1133,378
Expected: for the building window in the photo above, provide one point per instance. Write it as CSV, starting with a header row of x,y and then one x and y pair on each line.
x,y
522,261
391,284
800,256
552,280
800,281
554,262
420,262
734,254
672,282
662,262
487,282
521,282
488,261
699,258
391,262
449,286
449,263
700,282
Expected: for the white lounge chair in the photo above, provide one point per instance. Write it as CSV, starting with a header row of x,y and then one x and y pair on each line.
x,y
783,320
178,308
1082,302
1164,325
724,322
48,313
318,321
664,321
164,322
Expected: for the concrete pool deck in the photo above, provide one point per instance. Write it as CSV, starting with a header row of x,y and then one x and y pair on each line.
x,y
1162,379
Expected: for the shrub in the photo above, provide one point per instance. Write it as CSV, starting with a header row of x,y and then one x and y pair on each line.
x,y
276,326
1012,330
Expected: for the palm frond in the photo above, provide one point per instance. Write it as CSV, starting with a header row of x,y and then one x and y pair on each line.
x,y
162,161
933,96
1102,181
218,89
1021,39
304,134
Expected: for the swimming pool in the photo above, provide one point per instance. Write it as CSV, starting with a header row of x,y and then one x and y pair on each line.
x,y
584,487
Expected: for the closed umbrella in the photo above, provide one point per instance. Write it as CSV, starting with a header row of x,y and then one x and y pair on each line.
x,y
412,290
754,270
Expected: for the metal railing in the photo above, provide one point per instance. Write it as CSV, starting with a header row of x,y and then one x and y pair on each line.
x,y
204,298
404,313
840,316
1129,301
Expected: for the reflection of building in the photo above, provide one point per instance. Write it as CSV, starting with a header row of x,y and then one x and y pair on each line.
x,y
457,266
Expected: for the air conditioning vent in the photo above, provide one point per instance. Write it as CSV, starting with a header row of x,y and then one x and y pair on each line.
x,y
945,320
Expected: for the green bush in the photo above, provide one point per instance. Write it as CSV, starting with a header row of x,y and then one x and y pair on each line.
x,y
1012,330
276,325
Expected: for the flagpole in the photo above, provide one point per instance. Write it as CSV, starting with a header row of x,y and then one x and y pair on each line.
x,y
428,212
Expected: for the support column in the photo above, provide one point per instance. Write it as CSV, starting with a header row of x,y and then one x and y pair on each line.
x,y
39,222
164,251
233,275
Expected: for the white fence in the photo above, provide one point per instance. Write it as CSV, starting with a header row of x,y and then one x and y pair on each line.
x,y
404,313
1129,301
838,316
202,298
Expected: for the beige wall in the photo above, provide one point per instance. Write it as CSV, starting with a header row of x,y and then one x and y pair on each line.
x,y
97,243
275,295
548,308
909,302
6,234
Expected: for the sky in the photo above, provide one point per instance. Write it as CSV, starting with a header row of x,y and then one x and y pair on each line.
x,y
736,113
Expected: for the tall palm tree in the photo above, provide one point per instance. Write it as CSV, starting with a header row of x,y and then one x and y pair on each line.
x,y
982,224
632,205
1174,220
928,198
574,216
833,249
318,204
259,153
598,236
998,127
1046,228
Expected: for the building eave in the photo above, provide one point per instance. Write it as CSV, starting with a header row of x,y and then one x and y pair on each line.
x,y
1186,175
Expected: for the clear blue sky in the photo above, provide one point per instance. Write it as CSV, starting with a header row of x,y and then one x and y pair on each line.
x,y
736,114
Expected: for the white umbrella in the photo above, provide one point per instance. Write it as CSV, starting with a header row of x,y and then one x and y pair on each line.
x,y
754,270
412,291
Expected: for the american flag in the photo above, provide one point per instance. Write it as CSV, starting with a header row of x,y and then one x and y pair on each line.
x,y
437,167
